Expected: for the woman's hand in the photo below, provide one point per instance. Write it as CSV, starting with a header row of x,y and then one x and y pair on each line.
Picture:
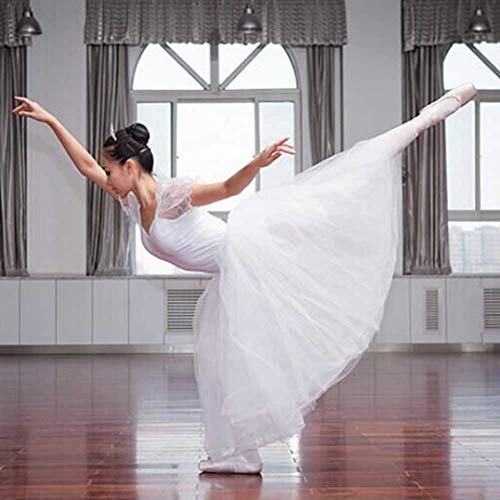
x,y
272,152
32,109
80,157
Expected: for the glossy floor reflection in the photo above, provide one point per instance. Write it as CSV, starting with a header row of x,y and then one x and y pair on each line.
x,y
128,426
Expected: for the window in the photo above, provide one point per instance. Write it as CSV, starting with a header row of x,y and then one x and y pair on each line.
x,y
210,108
473,160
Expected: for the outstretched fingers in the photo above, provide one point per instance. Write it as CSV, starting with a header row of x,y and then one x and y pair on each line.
x,y
281,146
21,111
281,141
287,149
23,107
22,99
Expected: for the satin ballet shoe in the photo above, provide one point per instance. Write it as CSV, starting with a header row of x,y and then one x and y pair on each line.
x,y
237,464
462,94
448,103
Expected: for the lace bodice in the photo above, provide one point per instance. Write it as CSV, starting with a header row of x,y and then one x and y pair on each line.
x,y
173,198
187,236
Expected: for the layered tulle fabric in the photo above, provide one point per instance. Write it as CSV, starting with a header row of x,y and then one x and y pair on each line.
x,y
305,269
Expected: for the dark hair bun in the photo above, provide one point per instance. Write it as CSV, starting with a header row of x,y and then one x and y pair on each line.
x,y
139,132
131,142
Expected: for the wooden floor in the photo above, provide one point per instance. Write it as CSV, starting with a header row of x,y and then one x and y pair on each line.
x,y
128,426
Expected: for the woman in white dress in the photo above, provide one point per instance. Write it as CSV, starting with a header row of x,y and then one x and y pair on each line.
x,y
300,272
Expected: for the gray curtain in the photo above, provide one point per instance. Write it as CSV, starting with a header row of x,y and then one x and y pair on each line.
x,y
429,30
287,22
323,115
13,260
108,102
425,217
12,164
442,22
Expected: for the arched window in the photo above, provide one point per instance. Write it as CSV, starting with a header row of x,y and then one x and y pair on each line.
x,y
473,160
210,108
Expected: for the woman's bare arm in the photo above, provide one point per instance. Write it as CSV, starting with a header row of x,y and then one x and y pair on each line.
x,y
81,158
204,194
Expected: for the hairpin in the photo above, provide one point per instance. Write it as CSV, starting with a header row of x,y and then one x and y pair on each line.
x,y
112,132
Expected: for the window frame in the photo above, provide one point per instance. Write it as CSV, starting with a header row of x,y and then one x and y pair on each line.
x,y
477,214
214,93
483,96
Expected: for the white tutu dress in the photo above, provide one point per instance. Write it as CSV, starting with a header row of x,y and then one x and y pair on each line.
x,y
300,272
300,276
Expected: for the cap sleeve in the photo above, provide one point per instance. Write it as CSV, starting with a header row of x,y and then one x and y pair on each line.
x,y
175,196
128,205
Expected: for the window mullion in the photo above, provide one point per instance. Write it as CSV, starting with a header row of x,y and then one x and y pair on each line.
x,y
297,137
176,57
483,59
473,215
133,225
242,65
257,139
214,66
477,140
173,126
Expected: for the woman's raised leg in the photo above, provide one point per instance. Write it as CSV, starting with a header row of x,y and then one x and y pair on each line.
x,y
397,139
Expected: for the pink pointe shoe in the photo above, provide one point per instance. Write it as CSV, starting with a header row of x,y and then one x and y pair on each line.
x,y
448,104
246,463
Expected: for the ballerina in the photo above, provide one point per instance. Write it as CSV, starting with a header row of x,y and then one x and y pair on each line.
x,y
300,272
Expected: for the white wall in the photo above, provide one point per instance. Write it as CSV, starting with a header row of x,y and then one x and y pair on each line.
x,y
56,191
372,73
372,68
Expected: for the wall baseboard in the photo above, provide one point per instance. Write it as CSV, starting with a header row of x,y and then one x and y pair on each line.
x,y
189,349
97,349
434,348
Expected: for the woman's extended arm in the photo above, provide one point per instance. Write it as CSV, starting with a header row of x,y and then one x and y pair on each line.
x,y
81,158
203,194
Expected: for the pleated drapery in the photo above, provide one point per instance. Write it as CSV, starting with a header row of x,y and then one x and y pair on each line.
x,y
429,30
13,167
108,103
323,61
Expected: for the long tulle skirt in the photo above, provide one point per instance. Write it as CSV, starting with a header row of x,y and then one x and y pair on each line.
x,y
305,269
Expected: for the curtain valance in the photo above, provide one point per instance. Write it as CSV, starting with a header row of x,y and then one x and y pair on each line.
x,y
287,22
440,22
10,12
